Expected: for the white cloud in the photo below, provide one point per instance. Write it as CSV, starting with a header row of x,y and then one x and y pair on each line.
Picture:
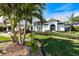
x,y
62,16
76,14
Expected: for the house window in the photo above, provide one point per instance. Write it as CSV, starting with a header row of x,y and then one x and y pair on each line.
x,y
35,23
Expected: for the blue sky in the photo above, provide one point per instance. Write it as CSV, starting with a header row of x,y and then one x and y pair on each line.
x,y
60,11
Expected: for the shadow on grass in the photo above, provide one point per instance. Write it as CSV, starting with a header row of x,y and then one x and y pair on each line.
x,y
59,47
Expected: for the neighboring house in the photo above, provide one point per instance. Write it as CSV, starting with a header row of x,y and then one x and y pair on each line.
x,y
6,27
52,25
76,23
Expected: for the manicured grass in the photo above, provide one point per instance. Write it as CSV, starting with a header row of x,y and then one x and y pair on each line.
x,y
53,46
4,39
58,46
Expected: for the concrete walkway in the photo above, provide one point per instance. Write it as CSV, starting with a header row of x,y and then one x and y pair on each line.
x,y
63,38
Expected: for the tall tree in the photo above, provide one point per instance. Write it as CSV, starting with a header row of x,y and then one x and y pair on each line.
x,y
71,20
17,12
8,10
33,10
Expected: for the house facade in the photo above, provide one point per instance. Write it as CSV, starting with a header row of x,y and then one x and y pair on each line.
x,y
54,25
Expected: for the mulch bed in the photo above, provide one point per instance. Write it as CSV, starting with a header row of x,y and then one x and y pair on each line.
x,y
14,50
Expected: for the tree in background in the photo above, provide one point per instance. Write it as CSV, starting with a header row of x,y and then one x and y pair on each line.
x,y
71,21
76,19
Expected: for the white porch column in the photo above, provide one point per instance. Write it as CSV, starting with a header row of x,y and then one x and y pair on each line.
x,y
7,28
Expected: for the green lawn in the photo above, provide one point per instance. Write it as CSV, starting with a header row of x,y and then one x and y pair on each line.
x,y
4,39
54,46
58,46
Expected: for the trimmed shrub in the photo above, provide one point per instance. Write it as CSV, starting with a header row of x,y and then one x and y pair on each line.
x,y
32,43
70,35
76,28
2,29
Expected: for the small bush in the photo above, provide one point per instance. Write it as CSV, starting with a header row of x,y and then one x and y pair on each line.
x,y
30,35
32,44
2,29
76,28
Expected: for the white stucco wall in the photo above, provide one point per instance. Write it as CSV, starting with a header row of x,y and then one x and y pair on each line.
x,y
61,27
46,26
34,28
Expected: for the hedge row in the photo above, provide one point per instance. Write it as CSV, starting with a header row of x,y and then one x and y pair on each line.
x,y
2,29
59,34
76,28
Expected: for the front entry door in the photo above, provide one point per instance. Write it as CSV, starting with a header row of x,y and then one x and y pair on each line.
x,y
52,27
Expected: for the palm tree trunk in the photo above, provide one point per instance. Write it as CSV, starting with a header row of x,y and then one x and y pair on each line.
x,y
20,38
71,26
31,28
14,39
24,32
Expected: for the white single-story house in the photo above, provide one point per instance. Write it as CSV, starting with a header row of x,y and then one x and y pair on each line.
x,y
52,25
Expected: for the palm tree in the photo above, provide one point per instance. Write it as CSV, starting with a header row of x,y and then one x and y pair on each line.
x,y
7,10
71,20
33,10
18,12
